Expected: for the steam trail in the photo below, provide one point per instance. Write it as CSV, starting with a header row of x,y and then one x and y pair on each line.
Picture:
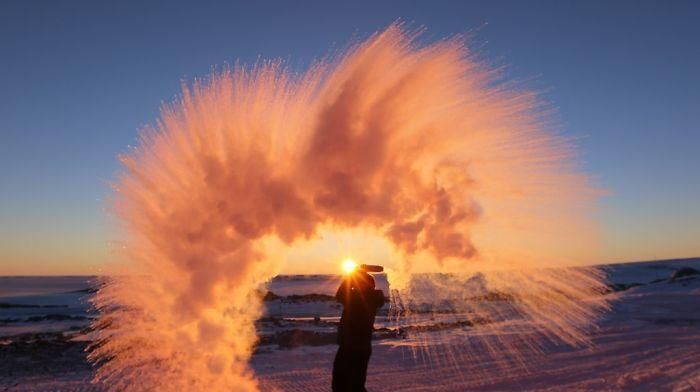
x,y
418,144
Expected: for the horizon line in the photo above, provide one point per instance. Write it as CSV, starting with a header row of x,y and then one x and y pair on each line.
x,y
590,265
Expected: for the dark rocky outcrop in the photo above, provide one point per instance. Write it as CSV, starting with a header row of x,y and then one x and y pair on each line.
x,y
683,273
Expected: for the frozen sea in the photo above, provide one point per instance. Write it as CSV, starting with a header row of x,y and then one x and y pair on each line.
x,y
649,341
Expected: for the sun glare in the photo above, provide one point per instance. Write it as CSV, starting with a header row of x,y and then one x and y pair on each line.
x,y
349,266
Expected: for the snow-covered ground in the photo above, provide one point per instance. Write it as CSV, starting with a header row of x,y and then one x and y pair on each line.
x,y
650,340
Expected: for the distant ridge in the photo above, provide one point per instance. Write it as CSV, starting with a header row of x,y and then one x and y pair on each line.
x,y
680,260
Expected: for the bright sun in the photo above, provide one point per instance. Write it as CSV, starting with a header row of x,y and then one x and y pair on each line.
x,y
349,265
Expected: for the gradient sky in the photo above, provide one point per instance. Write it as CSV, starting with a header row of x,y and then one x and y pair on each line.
x,y
80,78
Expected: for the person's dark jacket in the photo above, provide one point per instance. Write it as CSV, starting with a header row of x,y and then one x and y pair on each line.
x,y
360,303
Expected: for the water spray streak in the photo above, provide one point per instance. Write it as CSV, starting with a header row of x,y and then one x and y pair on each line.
x,y
417,144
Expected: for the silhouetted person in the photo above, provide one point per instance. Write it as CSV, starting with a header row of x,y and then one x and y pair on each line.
x,y
360,303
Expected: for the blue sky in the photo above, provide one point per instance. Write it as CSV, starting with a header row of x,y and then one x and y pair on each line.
x,y
80,78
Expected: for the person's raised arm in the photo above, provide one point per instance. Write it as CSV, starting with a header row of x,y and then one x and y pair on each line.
x,y
379,299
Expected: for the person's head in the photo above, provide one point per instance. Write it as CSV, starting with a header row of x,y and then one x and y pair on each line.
x,y
362,281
